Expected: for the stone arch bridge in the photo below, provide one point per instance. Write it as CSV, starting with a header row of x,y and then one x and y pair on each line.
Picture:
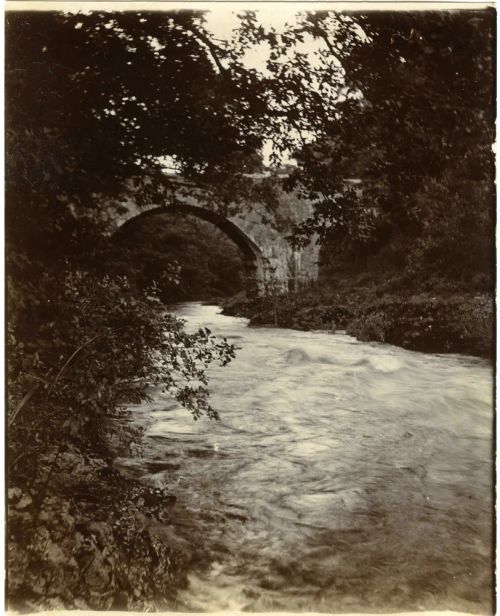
x,y
269,258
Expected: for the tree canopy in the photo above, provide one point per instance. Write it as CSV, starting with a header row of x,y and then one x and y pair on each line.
x,y
402,101
96,99
415,124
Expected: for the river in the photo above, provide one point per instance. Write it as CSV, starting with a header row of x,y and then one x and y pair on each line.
x,y
342,476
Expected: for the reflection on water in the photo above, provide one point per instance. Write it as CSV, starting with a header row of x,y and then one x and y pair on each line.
x,y
342,475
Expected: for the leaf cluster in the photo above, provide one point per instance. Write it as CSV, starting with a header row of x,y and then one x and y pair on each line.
x,y
97,348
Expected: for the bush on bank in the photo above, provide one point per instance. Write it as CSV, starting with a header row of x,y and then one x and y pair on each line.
x,y
457,322
80,350
92,543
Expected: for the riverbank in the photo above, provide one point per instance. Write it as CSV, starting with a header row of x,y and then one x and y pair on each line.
x,y
419,321
94,542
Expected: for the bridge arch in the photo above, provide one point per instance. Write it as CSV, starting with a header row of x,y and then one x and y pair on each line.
x,y
264,245
253,257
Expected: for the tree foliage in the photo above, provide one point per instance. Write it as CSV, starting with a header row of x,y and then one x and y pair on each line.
x,y
403,102
94,100
187,258
97,99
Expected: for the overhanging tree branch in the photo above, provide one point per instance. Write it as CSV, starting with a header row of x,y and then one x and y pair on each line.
x,y
212,48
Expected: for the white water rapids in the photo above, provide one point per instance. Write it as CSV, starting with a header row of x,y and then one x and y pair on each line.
x,y
342,476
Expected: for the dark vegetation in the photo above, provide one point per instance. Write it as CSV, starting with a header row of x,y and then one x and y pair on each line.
x,y
408,251
404,102
184,257
436,319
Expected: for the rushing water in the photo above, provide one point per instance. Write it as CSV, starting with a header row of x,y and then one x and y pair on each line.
x,y
342,476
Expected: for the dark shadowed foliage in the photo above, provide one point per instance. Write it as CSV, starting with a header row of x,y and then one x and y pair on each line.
x,y
187,258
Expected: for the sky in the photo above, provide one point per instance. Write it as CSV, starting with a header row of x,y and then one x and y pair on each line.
x,y
223,20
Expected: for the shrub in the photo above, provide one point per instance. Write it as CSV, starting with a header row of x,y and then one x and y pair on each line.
x,y
80,349
90,347
374,326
